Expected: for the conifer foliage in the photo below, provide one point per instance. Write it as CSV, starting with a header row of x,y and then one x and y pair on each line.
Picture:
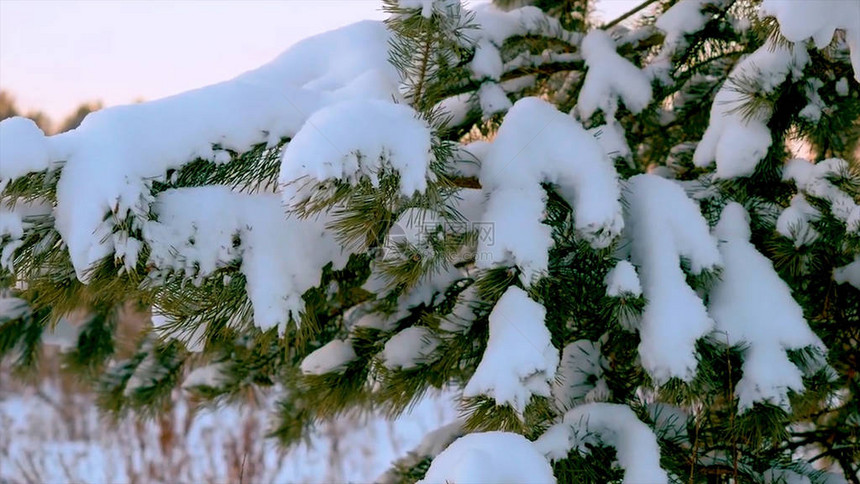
x,y
633,249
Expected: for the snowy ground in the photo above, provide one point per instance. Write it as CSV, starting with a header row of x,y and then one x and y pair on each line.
x,y
51,435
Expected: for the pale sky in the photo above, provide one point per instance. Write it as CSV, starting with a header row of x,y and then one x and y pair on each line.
x,y
56,54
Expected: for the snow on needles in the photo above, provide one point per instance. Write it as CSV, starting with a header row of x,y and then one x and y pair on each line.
x,y
664,225
736,139
520,360
752,305
23,149
489,457
334,356
201,229
357,139
535,144
610,424
116,152
800,20
610,77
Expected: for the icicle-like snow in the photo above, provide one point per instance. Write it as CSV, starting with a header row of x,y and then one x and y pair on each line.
x,y
751,305
520,360
663,225
489,457
536,143
609,424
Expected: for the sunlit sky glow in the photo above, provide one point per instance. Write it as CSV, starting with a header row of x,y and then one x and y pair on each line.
x,y
56,54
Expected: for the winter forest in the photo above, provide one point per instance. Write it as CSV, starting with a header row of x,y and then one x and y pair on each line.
x,y
629,249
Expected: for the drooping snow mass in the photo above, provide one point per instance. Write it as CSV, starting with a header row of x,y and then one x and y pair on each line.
x,y
622,280
409,348
753,306
737,142
334,356
848,273
610,77
116,152
611,139
359,139
520,360
23,149
580,375
536,143
609,424
812,179
800,20
664,225
198,230
489,457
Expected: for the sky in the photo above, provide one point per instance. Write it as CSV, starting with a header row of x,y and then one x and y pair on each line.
x,y
57,54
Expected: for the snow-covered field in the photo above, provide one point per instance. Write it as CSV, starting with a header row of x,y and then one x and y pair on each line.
x,y
52,435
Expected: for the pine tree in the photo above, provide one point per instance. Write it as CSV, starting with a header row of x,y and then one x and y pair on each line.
x,y
601,236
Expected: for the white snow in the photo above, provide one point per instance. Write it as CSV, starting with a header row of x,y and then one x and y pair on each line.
x,y
116,152
612,139
333,357
623,280
610,77
520,360
492,99
752,305
800,20
210,375
536,143
794,221
664,225
609,424
359,138
409,348
198,230
23,149
812,179
739,143
849,273
489,457
13,308
487,62
580,375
